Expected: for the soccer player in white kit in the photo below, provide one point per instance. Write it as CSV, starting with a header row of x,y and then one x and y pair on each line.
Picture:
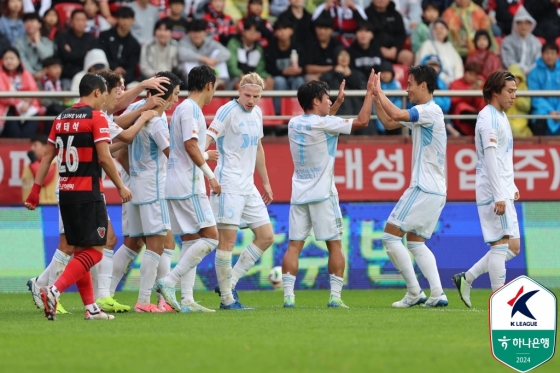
x,y
495,185
149,217
189,208
314,205
237,129
417,212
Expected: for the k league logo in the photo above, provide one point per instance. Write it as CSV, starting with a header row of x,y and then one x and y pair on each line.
x,y
523,316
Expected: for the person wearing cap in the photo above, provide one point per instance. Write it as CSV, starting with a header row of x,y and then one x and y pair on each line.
x,y
345,16
321,49
365,52
439,44
34,48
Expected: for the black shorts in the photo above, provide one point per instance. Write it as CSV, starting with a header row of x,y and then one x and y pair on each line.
x,y
85,224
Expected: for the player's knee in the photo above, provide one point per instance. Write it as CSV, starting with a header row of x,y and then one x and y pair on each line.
x,y
265,240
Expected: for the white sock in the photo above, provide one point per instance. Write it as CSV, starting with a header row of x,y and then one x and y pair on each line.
x,y
246,260
95,279
55,291
164,267
481,267
288,281
497,265
104,274
190,259
401,260
59,262
336,285
43,279
122,259
427,263
148,273
223,273
187,281
92,308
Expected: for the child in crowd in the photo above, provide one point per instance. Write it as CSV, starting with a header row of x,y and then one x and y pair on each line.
x,y
430,12
220,25
178,23
254,10
96,23
49,28
487,61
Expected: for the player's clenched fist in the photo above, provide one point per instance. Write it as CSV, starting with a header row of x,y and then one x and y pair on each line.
x,y
215,186
125,194
213,155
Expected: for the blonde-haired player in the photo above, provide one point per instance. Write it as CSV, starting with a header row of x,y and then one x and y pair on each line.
x,y
237,130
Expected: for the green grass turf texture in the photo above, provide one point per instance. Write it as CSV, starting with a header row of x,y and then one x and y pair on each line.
x,y
369,337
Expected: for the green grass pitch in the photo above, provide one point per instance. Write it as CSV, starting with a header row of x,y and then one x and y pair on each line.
x,y
369,337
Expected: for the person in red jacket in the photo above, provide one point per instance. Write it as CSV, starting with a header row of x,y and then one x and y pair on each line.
x,y
254,9
220,26
467,105
487,61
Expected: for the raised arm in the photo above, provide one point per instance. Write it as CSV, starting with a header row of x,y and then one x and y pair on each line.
x,y
365,113
339,99
130,95
382,115
260,165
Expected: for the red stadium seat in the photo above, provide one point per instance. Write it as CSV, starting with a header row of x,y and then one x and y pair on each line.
x,y
267,106
213,106
64,11
407,44
401,74
290,106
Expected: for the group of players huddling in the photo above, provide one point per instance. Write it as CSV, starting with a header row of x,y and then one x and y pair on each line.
x,y
164,194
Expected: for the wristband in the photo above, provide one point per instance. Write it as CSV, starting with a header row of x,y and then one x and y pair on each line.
x,y
205,155
207,171
36,188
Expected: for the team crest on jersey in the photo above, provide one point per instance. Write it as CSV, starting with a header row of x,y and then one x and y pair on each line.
x,y
101,232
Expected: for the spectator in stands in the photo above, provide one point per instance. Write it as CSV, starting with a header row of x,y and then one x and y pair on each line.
x,y
145,17
254,10
411,11
51,83
461,34
193,9
105,10
160,53
430,12
4,43
38,149
199,48
96,23
546,76
388,83
442,4
32,47
501,12
389,28
247,55
483,56
521,47
277,7
120,47
301,18
179,25
354,80
11,24
95,61
49,28
546,14
365,52
321,49
471,80
521,106
72,46
434,62
14,77
283,60
220,25
439,44
345,16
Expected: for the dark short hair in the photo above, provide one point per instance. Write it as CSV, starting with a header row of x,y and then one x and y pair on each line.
x,y
124,12
309,91
176,2
112,78
495,83
174,81
549,45
30,16
250,22
199,76
364,25
423,73
77,11
163,22
323,21
198,25
40,137
50,61
481,33
283,23
430,4
16,52
91,82
472,67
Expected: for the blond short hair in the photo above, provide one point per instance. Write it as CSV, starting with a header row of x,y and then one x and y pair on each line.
x,y
252,79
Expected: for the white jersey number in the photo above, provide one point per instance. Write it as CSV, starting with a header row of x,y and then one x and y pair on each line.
x,y
72,161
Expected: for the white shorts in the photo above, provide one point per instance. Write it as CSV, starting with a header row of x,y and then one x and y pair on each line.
x,y
417,212
233,209
495,227
124,217
323,217
188,216
148,220
61,224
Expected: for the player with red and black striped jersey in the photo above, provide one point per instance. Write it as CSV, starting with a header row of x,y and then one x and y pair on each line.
x,y
80,139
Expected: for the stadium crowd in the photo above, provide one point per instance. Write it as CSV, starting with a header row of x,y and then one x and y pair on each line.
x,y
51,44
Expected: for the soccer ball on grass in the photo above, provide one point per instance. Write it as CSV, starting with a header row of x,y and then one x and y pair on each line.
x,y
275,276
